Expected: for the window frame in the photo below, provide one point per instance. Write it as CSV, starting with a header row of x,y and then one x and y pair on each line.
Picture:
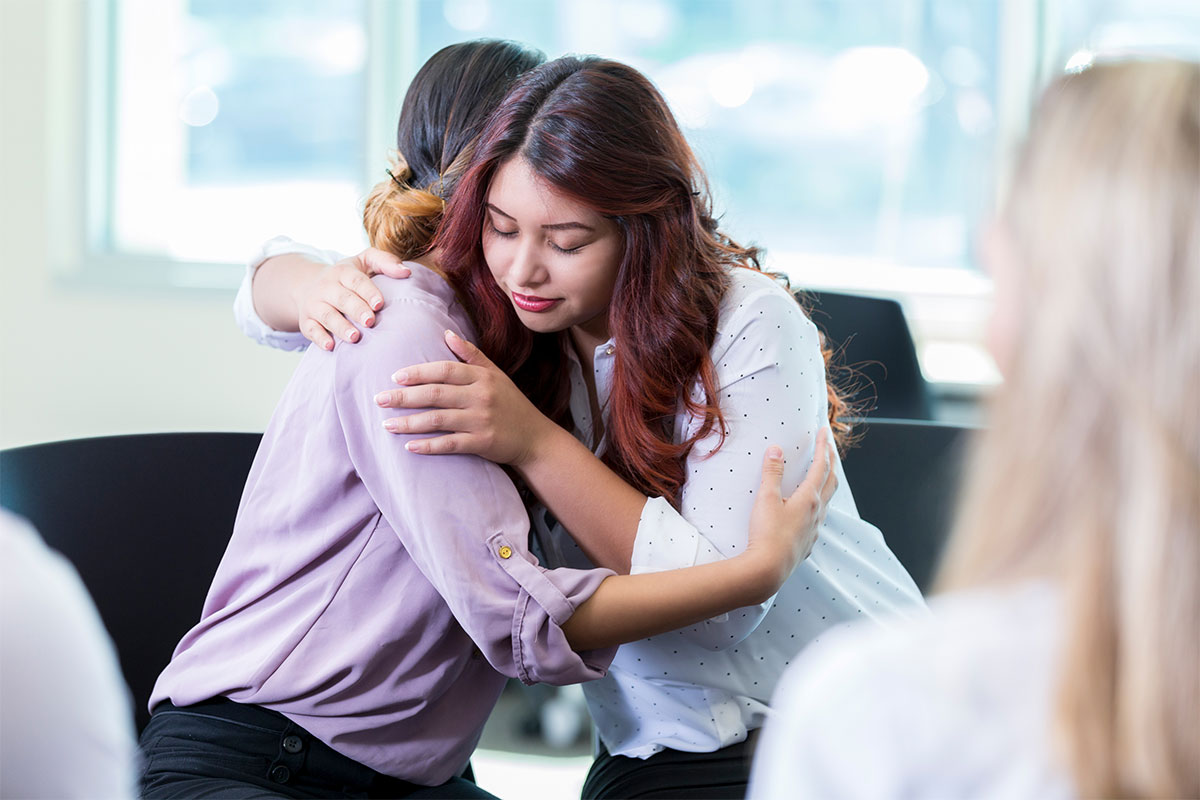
x,y
82,117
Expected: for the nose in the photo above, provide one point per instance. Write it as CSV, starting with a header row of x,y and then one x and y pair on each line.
x,y
526,270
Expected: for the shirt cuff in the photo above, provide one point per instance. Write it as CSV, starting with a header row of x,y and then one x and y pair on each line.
x,y
541,653
247,318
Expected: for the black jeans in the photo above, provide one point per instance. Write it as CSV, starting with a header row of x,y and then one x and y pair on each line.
x,y
722,775
219,748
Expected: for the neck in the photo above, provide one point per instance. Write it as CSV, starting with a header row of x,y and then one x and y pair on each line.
x,y
430,261
590,335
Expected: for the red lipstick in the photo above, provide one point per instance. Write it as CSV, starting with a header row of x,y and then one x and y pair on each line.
x,y
530,303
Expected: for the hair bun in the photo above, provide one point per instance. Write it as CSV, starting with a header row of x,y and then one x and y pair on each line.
x,y
399,217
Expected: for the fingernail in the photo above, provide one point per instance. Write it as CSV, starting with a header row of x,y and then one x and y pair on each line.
x,y
367,320
352,336
391,425
774,452
381,399
377,303
411,447
452,335
401,376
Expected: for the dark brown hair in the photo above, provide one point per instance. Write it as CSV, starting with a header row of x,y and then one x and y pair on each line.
x,y
444,109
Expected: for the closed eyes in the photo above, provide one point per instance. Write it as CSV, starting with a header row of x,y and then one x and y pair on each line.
x,y
567,251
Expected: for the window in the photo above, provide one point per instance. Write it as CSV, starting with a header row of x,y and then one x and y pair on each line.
x,y
215,124
864,130
859,143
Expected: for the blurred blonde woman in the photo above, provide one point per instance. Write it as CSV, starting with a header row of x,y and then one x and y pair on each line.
x,y
1064,659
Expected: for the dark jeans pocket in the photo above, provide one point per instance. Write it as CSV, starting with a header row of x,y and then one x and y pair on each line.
x,y
190,755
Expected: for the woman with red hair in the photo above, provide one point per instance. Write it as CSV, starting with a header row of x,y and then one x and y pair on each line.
x,y
639,360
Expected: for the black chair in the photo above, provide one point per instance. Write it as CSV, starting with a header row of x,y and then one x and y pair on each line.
x,y
905,477
145,520
872,338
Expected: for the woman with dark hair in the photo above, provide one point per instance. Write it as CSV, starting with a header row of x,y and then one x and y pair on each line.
x,y
624,323
368,609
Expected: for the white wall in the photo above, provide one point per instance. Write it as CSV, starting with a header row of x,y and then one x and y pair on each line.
x,y
83,362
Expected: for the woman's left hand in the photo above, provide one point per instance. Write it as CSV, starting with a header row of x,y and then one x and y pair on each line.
x,y
784,530
476,407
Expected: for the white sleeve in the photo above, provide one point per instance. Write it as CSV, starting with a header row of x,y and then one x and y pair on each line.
x,y
67,727
771,379
243,305
836,726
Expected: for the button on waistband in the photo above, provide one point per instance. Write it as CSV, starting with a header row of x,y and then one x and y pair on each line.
x,y
293,744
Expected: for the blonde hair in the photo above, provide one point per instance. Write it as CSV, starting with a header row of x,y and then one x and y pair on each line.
x,y
1089,472
402,218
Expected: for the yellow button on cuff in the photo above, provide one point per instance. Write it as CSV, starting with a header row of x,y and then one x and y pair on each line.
x,y
505,551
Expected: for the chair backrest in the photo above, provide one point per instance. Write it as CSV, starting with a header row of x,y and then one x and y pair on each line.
x,y
905,477
145,520
872,337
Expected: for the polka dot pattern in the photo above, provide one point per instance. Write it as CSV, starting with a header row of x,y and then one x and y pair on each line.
x,y
703,687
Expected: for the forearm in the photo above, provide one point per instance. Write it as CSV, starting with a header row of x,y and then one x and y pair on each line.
x,y
595,504
274,288
626,608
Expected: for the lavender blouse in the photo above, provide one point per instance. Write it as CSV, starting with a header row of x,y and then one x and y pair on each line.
x,y
375,597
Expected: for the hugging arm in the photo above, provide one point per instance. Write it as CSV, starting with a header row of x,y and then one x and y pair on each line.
x,y
771,383
293,294
462,522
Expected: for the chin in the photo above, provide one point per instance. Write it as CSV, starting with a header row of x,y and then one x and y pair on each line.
x,y
540,323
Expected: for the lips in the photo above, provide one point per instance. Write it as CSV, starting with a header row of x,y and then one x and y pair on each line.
x,y
528,302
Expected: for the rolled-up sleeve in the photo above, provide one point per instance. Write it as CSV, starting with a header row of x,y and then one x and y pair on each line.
x,y
772,391
248,320
459,517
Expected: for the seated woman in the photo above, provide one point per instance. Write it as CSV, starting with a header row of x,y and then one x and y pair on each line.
x,y
368,609
1064,661
641,362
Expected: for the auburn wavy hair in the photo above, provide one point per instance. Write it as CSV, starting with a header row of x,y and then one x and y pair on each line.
x,y
600,133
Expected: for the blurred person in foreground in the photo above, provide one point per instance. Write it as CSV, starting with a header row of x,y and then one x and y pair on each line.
x,y
66,717
1064,659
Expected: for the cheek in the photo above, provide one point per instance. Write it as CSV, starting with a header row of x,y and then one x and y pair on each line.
x,y
493,256
605,276
597,287
1004,320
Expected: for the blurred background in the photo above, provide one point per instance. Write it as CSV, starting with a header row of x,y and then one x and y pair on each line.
x,y
148,146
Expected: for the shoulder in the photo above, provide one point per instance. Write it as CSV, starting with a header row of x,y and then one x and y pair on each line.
x,y
424,295
908,700
760,325
31,568
411,325
969,656
757,305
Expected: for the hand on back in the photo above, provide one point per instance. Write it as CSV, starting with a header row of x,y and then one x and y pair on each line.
x,y
328,302
472,403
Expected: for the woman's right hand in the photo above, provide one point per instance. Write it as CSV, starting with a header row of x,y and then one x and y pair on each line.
x,y
783,531
327,302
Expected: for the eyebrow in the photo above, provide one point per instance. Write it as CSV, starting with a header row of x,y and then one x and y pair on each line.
x,y
556,226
